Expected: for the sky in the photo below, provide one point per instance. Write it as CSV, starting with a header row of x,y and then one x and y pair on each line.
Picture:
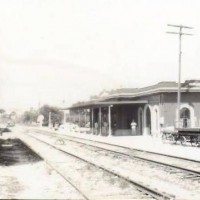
x,y
58,52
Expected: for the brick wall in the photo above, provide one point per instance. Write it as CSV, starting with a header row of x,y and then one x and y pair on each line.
x,y
169,104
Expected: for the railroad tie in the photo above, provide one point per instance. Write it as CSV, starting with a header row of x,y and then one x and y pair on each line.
x,y
191,176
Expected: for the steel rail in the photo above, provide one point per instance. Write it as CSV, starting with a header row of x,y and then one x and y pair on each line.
x,y
132,156
117,145
153,192
59,173
140,158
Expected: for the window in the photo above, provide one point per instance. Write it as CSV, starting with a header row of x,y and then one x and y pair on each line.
x,y
185,117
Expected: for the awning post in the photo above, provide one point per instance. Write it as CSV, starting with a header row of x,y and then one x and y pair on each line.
x,y
85,112
109,121
92,120
79,117
64,117
100,120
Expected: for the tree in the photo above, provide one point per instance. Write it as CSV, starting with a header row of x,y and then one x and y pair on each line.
x,y
30,116
2,111
56,114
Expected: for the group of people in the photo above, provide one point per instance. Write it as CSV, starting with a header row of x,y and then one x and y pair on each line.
x,y
105,128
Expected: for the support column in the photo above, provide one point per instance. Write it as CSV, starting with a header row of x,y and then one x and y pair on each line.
x,y
74,117
79,118
49,119
64,117
92,120
109,121
85,112
99,120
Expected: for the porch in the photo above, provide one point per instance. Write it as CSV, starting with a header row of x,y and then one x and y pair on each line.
x,y
111,118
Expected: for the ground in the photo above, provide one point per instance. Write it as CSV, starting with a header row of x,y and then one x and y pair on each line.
x,y
28,177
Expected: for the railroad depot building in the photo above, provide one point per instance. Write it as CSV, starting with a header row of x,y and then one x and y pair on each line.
x,y
139,111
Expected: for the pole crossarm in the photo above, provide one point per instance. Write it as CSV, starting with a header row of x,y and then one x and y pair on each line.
x,y
170,32
178,26
187,34
180,33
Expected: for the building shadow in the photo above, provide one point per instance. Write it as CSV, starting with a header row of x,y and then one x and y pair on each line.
x,y
15,152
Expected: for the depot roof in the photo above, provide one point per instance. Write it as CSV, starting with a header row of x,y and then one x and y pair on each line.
x,y
157,88
163,87
105,103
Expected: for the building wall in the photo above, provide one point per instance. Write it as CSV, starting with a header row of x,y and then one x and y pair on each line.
x,y
127,113
168,114
169,106
165,104
162,107
197,114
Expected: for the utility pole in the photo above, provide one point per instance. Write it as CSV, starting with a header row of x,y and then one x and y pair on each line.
x,y
49,119
180,33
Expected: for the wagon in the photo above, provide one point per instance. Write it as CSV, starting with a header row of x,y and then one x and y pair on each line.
x,y
183,135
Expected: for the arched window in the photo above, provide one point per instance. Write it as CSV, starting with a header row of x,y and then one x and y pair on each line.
x,y
148,119
185,117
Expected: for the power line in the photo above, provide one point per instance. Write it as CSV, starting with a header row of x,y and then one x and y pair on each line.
x,y
180,33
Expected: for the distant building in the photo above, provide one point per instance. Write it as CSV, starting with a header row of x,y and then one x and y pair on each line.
x,y
151,108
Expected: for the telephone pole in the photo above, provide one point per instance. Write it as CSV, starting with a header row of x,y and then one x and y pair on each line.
x,y
49,119
180,34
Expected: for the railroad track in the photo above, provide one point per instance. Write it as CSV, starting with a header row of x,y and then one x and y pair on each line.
x,y
51,167
179,172
143,191
172,163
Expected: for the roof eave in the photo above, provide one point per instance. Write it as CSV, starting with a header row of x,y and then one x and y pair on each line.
x,y
150,92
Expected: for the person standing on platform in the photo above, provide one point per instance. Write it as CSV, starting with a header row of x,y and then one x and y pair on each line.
x,y
133,127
